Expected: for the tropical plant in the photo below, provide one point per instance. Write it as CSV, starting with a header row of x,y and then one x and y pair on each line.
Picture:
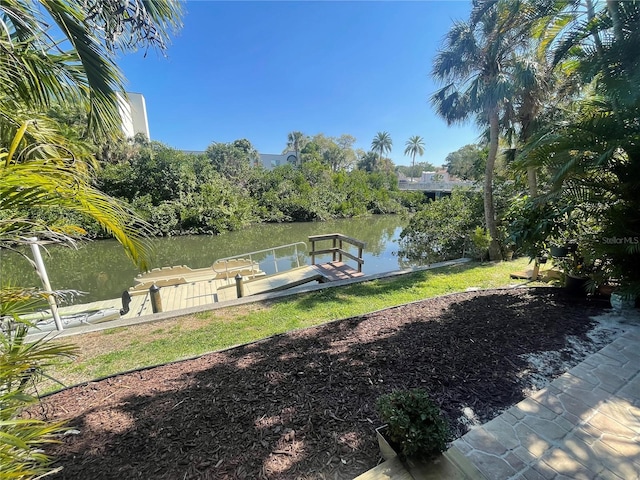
x,y
591,149
37,72
232,160
382,144
22,364
48,176
442,229
467,162
414,146
43,166
481,240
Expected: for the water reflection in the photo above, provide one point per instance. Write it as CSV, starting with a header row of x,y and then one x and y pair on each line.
x,y
102,269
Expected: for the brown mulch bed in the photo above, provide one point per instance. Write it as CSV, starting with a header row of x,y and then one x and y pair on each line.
x,y
301,405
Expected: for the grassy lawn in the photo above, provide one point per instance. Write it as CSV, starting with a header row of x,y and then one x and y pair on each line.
x,y
120,349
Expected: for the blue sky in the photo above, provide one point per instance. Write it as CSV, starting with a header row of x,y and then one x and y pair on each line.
x,y
259,70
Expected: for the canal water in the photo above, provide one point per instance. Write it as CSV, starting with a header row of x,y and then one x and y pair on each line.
x,y
103,271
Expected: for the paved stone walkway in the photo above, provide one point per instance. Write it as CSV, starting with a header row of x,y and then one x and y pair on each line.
x,y
584,425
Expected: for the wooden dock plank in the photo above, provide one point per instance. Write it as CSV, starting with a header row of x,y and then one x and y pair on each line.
x,y
189,293
181,294
211,288
204,293
165,298
334,271
170,302
178,296
196,300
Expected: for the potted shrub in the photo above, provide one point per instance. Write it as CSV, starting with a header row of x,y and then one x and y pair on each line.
x,y
415,426
576,272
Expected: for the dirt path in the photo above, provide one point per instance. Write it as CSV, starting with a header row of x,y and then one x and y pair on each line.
x,y
301,405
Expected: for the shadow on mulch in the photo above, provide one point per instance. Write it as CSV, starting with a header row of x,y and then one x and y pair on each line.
x,y
301,405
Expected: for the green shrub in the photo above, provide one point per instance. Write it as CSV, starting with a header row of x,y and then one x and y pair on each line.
x,y
414,423
441,230
481,241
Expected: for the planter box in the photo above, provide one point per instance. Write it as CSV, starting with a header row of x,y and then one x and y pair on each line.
x,y
386,450
559,252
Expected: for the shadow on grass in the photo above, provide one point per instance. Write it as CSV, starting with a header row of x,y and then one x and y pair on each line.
x,y
373,288
301,404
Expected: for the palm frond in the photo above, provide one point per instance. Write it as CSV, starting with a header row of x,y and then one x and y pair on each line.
x,y
48,176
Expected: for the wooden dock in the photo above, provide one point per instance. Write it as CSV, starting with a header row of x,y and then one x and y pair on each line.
x,y
180,287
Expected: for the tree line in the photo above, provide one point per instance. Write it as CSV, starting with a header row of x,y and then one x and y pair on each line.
x,y
226,188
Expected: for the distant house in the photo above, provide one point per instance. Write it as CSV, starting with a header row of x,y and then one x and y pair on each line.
x,y
438,176
270,161
133,112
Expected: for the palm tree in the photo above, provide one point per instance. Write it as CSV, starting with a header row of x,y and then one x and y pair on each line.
x,y
474,67
414,146
37,73
22,364
382,144
296,141
47,176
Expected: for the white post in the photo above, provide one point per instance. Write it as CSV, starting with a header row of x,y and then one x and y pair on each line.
x,y
42,273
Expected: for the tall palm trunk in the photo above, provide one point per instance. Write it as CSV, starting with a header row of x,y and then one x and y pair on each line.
x,y
612,7
413,165
594,32
489,207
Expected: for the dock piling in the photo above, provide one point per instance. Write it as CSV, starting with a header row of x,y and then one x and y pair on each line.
x,y
239,286
156,301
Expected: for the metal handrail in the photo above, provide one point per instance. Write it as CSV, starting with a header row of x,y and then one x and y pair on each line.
x,y
271,250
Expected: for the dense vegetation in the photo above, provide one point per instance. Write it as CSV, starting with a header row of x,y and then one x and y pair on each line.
x,y
46,166
554,83
223,189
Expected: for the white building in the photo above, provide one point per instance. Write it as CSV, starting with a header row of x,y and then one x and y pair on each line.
x,y
270,161
133,112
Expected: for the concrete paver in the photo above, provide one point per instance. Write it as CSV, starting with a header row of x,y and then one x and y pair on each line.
x,y
584,425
